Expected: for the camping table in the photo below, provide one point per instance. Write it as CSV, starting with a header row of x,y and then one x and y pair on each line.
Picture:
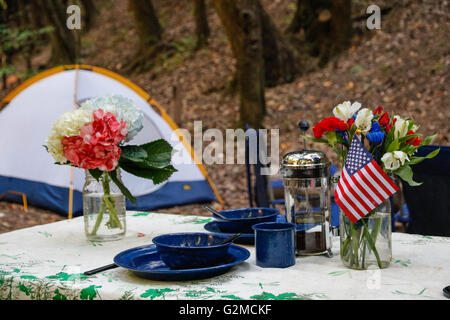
x,y
48,261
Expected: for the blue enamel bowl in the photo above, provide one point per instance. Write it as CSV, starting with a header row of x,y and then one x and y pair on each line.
x,y
241,220
191,249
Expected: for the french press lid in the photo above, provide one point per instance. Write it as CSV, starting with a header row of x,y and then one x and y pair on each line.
x,y
305,164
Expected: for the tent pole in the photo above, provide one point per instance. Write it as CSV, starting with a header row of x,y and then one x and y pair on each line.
x,y
74,107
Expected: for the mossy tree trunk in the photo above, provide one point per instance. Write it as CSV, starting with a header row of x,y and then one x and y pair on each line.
x,y
202,31
243,26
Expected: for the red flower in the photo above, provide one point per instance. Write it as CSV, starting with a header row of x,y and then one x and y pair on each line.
x,y
350,122
384,119
329,124
378,110
389,126
415,141
96,146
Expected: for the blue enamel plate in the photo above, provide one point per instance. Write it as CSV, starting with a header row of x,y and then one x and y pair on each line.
x,y
223,227
145,262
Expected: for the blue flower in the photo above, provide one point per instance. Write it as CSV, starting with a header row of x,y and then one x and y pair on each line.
x,y
375,135
343,134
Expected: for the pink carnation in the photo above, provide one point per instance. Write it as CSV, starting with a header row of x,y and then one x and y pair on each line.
x,y
97,145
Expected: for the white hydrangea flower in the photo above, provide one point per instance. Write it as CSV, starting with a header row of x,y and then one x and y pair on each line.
x,y
393,160
122,108
67,125
363,120
346,110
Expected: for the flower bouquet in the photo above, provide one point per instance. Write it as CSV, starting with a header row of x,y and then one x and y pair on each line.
x,y
392,142
92,137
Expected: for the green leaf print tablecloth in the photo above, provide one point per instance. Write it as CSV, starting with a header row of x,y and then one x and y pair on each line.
x,y
48,261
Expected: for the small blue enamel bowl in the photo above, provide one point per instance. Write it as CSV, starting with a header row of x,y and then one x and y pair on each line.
x,y
191,250
275,244
242,220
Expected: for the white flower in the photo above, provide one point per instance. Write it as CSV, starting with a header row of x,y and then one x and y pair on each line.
x,y
122,108
393,160
400,127
400,155
346,110
67,125
363,120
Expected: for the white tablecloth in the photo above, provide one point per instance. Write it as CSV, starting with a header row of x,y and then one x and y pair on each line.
x,y
48,261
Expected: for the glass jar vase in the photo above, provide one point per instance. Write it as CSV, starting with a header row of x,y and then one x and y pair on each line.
x,y
104,208
367,242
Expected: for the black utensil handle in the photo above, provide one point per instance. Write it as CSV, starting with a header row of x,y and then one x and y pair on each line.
x,y
104,268
215,212
230,239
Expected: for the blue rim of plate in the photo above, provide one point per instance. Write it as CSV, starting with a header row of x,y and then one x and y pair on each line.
x,y
125,258
245,238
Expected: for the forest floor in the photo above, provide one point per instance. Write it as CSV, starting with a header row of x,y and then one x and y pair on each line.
x,y
404,67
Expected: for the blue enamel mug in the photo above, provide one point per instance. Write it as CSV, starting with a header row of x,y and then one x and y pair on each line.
x,y
275,244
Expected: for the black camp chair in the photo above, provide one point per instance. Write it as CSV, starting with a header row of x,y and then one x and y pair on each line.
x,y
263,191
429,203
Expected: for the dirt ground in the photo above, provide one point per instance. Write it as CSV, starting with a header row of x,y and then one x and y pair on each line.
x,y
404,67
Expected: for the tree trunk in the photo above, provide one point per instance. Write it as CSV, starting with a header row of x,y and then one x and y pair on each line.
x,y
280,62
25,24
341,25
327,26
64,41
149,31
202,31
90,13
243,26
147,24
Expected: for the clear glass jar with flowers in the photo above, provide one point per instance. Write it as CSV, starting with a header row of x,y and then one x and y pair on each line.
x,y
92,137
392,142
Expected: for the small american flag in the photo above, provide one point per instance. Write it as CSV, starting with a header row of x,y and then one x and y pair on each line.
x,y
363,184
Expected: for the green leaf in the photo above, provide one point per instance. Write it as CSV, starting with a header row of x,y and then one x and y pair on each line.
x,y
406,174
416,160
428,140
157,175
159,153
393,146
409,136
96,173
133,153
315,139
332,140
121,186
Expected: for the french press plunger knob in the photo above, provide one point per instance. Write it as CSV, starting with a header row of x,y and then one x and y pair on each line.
x,y
303,125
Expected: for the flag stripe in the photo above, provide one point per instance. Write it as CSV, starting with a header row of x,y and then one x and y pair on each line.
x,y
363,185
355,192
387,179
351,200
357,185
386,186
349,207
365,176
375,183
375,195
344,206
347,213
